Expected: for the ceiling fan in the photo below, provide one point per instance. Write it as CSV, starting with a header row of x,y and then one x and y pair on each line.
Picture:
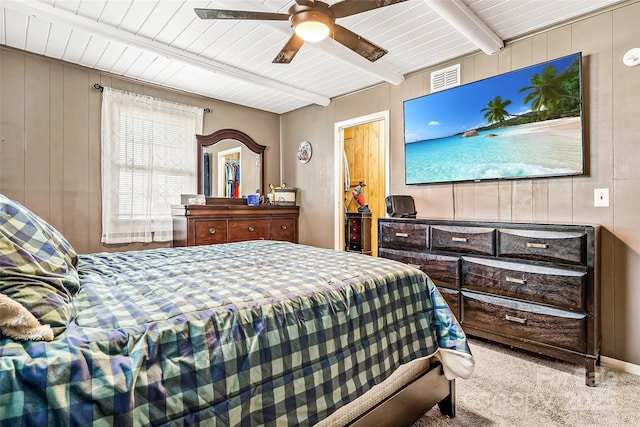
x,y
313,20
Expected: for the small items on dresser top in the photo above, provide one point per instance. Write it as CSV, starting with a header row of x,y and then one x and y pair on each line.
x,y
193,199
282,195
400,206
359,198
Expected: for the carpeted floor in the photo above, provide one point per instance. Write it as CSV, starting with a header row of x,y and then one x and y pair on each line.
x,y
510,387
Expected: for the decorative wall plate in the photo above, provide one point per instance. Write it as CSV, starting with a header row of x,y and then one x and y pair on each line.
x,y
304,152
631,57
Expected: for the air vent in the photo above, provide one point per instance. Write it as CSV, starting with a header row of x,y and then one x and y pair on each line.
x,y
445,78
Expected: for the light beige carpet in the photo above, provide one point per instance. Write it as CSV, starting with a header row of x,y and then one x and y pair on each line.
x,y
510,387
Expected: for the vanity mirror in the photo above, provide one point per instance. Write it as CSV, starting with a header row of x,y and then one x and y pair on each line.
x,y
230,164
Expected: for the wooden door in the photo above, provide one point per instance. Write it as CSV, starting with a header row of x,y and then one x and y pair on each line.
x,y
364,152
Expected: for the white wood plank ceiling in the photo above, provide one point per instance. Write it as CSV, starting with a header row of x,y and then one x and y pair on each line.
x,y
165,43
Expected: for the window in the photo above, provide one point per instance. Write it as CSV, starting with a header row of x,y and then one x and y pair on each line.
x,y
148,161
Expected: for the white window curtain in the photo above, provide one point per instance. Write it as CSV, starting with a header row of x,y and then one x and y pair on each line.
x,y
148,160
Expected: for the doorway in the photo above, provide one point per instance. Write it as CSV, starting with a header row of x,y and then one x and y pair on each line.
x,y
229,167
362,158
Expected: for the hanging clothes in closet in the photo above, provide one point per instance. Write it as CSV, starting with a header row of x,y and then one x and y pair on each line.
x,y
207,175
232,174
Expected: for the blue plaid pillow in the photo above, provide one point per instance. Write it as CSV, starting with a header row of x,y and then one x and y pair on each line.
x,y
37,265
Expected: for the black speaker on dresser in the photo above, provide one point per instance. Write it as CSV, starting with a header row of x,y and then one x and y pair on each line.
x,y
400,206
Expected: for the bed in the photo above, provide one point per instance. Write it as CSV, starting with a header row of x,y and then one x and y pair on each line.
x,y
250,333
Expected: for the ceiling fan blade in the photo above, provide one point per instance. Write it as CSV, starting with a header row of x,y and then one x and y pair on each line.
x,y
289,50
358,44
240,14
351,7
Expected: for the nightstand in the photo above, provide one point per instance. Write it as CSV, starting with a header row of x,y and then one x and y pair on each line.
x,y
358,232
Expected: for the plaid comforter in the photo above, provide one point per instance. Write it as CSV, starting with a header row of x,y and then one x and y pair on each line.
x,y
250,333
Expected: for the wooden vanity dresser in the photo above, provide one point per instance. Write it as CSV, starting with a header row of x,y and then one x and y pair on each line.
x,y
210,224
532,286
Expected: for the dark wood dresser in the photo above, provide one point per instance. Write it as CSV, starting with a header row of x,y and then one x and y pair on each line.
x,y
532,286
209,224
358,232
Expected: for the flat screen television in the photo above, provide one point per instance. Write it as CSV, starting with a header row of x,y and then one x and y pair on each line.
x,y
526,123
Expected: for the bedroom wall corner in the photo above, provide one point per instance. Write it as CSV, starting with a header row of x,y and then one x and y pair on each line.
x,y
50,139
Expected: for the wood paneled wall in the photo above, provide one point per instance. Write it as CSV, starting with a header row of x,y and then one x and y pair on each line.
x,y
50,140
612,108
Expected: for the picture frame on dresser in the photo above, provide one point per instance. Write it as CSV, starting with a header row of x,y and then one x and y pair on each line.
x,y
531,286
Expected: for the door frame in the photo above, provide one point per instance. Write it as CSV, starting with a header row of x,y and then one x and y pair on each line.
x,y
339,128
222,183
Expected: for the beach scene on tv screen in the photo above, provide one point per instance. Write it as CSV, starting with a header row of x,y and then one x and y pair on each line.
x,y
525,123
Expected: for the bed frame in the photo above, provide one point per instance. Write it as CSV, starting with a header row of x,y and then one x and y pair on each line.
x,y
410,403
402,406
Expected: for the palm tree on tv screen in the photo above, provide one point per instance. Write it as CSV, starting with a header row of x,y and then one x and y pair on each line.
x,y
552,92
496,110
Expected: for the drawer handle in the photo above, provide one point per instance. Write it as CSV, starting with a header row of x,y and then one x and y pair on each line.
x,y
284,227
459,239
402,234
516,280
212,230
515,319
251,229
538,245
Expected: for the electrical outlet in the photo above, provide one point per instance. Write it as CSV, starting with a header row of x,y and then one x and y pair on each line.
x,y
601,197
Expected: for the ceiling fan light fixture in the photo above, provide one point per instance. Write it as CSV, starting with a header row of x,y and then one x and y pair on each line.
x,y
312,31
311,25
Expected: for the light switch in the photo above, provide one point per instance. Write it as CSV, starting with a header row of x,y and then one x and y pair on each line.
x,y
601,197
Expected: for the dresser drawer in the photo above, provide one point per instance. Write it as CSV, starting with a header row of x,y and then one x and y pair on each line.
x,y
283,229
404,235
554,246
209,232
474,240
249,229
443,270
407,257
355,246
355,225
555,286
531,322
452,297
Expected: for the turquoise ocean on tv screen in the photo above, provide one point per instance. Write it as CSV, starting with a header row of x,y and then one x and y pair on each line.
x,y
532,150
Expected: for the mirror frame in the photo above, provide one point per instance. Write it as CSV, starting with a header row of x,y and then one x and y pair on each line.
x,y
219,135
